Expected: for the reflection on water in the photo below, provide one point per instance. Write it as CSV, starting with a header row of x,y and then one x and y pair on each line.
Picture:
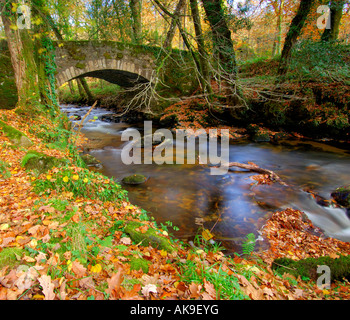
x,y
182,193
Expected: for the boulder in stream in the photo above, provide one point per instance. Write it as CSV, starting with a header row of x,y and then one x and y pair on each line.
x,y
342,196
134,179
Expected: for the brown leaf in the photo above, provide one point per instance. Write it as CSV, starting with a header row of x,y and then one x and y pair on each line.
x,y
78,269
126,240
48,286
209,288
114,284
195,289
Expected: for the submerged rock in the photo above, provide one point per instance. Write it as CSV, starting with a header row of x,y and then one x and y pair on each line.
x,y
134,179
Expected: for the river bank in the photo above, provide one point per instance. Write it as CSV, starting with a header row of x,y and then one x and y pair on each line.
x,y
62,240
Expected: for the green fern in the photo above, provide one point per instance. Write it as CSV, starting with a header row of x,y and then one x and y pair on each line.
x,y
248,244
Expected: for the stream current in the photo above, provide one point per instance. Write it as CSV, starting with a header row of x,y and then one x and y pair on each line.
x,y
231,202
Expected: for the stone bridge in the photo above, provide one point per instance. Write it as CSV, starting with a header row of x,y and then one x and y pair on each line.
x,y
122,64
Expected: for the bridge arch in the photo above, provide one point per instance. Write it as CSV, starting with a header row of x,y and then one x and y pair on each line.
x,y
87,59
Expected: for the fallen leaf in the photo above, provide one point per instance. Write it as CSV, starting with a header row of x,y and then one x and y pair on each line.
x,y
78,269
114,284
48,286
209,288
149,288
126,240
96,268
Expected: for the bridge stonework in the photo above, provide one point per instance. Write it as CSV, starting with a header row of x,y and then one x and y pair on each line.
x,y
125,65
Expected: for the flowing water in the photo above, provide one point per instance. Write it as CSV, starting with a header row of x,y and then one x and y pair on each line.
x,y
230,203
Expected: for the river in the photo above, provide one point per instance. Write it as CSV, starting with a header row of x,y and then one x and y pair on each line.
x,y
231,202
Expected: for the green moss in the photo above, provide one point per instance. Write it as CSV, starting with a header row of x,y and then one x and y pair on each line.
x,y
139,263
16,137
90,160
4,172
342,196
40,162
80,65
8,89
340,267
134,179
119,56
8,257
150,237
107,55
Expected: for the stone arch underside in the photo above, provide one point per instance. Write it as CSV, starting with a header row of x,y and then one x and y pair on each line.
x,y
123,73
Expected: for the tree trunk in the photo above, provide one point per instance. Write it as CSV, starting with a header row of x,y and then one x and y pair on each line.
x,y
71,87
135,7
336,15
171,31
80,88
181,30
203,59
294,32
278,7
84,84
223,47
21,50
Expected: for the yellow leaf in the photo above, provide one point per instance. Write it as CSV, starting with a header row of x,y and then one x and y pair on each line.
x,y
41,50
33,243
69,265
38,297
207,235
48,177
86,180
75,177
96,268
325,291
61,45
4,226
163,253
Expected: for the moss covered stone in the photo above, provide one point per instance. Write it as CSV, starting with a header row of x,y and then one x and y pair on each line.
x,y
80,65
40,162
340,267
17,137
342,196
134,179
150,237
119,56
90,160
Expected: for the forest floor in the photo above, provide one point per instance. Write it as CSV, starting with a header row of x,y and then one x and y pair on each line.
x,y
57,245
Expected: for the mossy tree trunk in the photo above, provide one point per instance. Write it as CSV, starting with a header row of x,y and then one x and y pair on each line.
x,y
336,15
136,8
176,15
21,49
32,60
293,34
203,59
223,48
